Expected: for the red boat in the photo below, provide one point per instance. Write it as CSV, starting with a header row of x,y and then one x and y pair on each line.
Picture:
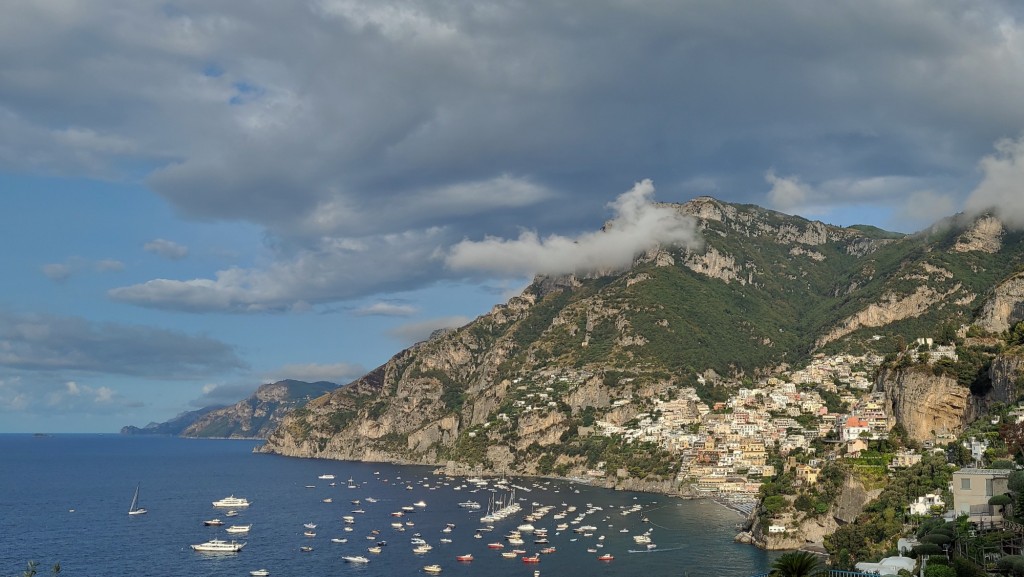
x,y
605,557
466,557
534,559
495,545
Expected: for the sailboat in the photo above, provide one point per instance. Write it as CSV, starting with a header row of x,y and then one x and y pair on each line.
x,y
135,509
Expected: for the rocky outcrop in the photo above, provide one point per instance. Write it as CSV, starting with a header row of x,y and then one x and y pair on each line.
x,y
260,414
804,530
1007,374
925,404
984,235
889,309
1005,307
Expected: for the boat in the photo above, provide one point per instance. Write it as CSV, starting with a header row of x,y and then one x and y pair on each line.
x,y
337,540
328,500
422,549
469,505
605,557
420,503
213,522
495,545
231,501
432,569
231,513
531,559
374,549
355,559
135,509
309,533
305,548
548,550
219,546
309,525
509,554
259,573
239,528
326,476
466,557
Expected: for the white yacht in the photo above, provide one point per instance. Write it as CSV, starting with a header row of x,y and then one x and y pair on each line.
x,y
239,528
219,546
231,501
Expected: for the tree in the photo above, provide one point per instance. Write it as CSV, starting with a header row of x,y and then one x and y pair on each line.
x,y
797,564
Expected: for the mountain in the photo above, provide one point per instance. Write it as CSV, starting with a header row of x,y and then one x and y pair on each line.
x,y
254,417
173,427
521,388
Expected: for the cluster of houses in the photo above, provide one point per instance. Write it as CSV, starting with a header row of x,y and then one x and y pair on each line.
x,y
724,448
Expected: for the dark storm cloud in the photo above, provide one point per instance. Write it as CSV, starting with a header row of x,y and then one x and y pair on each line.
x,y
56,344
348,123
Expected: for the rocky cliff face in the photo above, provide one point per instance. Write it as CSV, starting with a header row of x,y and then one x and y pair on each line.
x,y
1005,307
257,416
925,404
803,530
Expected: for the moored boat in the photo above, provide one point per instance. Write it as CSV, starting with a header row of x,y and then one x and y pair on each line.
x,y
432,569
231,501
239,528
466,557
213,522
219,546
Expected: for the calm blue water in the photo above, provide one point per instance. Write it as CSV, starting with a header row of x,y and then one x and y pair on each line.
x,y
65,498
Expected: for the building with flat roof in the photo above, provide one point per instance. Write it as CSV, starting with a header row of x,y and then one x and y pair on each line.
x,y
972,488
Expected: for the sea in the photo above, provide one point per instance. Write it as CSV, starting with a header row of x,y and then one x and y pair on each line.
x,y
64,498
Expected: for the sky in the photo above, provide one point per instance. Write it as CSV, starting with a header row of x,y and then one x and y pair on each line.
x,y
200,197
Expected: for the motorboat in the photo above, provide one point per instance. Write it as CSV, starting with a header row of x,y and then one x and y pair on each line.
x,y
605,557
531,559
509,554
466,557
374,549
305,548
213,522
239,528
309,525
231,513
337,540
420,503
326,476
434,569
259,573
232,502
355,559
309,533
219,546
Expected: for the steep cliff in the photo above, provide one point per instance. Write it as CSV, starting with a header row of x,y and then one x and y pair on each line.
x,y
801,530
258,415
925,404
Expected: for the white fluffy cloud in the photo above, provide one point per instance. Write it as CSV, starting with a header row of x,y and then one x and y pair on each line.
x,y
1002,186
638,225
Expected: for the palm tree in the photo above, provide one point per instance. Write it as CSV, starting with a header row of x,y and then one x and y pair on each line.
x,y
796,564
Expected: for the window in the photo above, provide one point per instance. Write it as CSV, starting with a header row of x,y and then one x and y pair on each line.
x,y
988,487
965,483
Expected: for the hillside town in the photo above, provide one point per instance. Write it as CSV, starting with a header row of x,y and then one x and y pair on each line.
x,y
724,448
